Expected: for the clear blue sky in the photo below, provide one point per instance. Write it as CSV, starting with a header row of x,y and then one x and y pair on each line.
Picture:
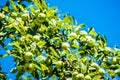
x,y
103,15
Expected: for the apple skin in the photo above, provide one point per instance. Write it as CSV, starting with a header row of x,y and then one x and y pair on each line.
x,y
65,45
2,16
28,56
25,16
114,60
101,71
29,67
79,76
73,35
36,38
59,64
74,75
87,77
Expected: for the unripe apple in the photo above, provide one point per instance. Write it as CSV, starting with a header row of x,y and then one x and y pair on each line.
x,y
89,38
41,59
36,38
83,33
73,35
80,76
65,45
107,50
29,67
37,11
22,39
13,14
74,75
28,56
117,71
25,16
20,68
59,64
101,71
87,77
41,15
95,65
2,16
114,60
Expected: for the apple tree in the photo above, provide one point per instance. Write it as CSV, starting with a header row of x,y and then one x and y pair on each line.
x,y
51,46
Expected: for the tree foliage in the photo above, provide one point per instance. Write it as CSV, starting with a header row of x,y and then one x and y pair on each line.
x,y
47,45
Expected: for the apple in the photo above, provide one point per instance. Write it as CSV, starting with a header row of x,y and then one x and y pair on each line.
x,y
13,14
114,60
95,65
20,68
73,35
74,75
59,64
101,71
41,15
2,16
25,16
87,77
107,50
89,38
83,33
22,39
36,38
65,45
28,56
41,59
79,76
29,67
117,71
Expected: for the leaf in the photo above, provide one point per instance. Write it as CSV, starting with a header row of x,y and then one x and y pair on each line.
x,y
41,43
97,77
92,32
21,7
67,19
13,5
5,8
54,53
81,25
38,4
53,77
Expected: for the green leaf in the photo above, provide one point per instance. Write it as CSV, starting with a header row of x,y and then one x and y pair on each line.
x,y
54,53
21,7
13,5
67,19
92,32
97,77
5,8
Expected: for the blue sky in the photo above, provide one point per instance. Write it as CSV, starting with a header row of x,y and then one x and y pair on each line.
x,y
103,15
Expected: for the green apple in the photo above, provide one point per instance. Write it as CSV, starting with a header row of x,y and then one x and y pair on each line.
x,y
36,38
20,68
73,35
28,56
95,65
83,33
2,16
79,76
29,67
107,50
87,77
41,15
25,16
13,14
89,38
65,45
114,60
74,75
117,71
101,71
59,64
22,39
